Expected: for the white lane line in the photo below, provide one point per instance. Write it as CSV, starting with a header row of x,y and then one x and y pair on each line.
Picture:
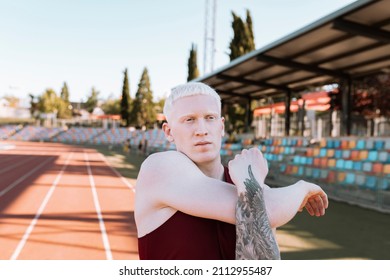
x,y
106,242
7,147
40,211
124,180
15,183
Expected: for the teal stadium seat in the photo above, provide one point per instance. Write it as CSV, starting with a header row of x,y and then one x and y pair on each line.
x,y
367,166
379,145
369,144
360,145
360,180
371,182
340,164
357,165
383,156
384,183
387,145
350,178
373,155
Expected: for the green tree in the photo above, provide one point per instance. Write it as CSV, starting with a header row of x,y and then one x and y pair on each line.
x,y
243,38
235,119
65,93
193,71
48,102
92,100
242,43
64,107
125,101
143,113
112,106
33,105
251,37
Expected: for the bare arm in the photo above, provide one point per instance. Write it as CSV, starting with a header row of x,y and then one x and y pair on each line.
x,y
170,180
254,236
282,204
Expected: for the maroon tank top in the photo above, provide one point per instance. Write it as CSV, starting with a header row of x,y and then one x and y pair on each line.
x,y
186,237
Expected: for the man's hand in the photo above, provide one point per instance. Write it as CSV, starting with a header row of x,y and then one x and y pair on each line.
x,y
315,201
238,167
255,239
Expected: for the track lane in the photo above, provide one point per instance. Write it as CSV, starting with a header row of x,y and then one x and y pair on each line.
x,y
118,216
68,226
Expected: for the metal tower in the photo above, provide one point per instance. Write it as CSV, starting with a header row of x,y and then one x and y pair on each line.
x,y
209,36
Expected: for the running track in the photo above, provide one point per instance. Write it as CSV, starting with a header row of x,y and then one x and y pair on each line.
x,y
63,202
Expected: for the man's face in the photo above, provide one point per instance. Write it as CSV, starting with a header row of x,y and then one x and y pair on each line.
x,y
196,127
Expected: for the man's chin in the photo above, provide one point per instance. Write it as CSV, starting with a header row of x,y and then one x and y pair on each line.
x,y
204,158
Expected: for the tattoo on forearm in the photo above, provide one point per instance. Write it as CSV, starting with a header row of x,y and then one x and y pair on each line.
x,y
254,236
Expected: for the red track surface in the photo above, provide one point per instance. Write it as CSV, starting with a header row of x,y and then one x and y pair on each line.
x,y
63,202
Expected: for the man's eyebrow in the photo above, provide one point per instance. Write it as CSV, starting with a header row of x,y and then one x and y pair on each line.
x,y
195,114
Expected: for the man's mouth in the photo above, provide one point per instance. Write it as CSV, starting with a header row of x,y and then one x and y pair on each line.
x,y
202,143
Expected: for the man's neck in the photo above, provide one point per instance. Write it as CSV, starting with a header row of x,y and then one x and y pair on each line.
x,y
214,169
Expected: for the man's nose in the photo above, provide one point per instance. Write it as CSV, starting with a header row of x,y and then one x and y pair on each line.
x,y
201,128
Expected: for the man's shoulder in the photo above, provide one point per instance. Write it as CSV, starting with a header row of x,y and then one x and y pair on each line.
x,y
164,159
165,154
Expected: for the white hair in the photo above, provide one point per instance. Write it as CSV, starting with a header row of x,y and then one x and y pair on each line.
x,y
189,89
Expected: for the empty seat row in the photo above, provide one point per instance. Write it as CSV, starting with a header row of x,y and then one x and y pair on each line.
x,y
287,141
358,144
359,179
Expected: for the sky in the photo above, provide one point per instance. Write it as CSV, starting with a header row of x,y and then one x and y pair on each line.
x,y
89,43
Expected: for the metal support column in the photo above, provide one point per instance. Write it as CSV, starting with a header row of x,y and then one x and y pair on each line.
x,y
287,114
248,114
346,104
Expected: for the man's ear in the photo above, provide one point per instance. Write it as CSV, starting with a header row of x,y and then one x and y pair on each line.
x,y
223,126
167,132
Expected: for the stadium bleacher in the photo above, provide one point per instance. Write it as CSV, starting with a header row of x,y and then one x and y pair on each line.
x,y
6,131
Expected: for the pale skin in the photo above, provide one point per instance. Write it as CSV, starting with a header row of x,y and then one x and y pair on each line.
x,y
190,179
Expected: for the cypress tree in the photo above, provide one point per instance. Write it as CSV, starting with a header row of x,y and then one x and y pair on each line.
x,y
193,71
143,113
249,28
65,93
242,43
125,101
243,38
92,100
64,110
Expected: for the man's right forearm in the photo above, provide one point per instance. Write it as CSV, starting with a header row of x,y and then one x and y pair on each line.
x,y
254,236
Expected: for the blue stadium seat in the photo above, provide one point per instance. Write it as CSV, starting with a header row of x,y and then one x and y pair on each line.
x,y
357,165
360,145
348,164
369,144
379,145
340,164
360,180
384,183
367,166
371,182
350,178
373,155
387,144
383,156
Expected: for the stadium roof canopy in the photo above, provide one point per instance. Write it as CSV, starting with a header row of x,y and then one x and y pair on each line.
x,y
350,43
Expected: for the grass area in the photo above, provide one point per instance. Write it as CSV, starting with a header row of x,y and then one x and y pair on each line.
x,y
345,232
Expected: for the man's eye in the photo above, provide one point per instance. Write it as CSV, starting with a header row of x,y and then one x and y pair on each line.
x,y
211,117
189,120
